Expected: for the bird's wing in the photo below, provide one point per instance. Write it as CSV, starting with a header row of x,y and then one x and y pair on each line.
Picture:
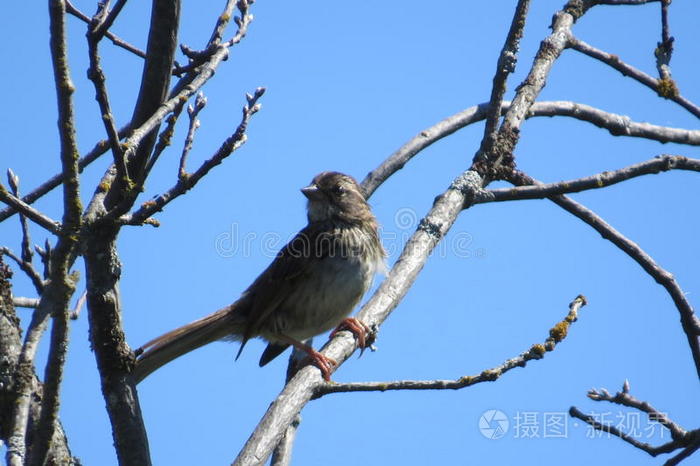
x,y
291,265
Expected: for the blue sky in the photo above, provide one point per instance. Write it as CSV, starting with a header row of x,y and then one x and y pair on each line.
x,y
347,84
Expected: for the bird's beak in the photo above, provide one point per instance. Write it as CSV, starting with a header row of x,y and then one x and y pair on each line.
x,y
311,192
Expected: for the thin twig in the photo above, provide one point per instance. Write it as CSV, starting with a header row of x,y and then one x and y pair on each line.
x,y
680,437
612,430
31,213
183,90
109,19
186,183
623,398
27,253
96,75
75,313
99,149
656,165
687,452
537,351
666,88
113,37
196,58
164,138
27,268
192,111
664,49
689,321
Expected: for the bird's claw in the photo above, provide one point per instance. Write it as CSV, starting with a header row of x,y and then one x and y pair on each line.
x,y
362,332
324,364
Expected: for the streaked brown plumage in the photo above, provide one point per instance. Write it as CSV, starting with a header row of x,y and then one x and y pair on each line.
x,y
310,287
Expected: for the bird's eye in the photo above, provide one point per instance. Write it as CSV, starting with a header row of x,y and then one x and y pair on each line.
x,y
338,189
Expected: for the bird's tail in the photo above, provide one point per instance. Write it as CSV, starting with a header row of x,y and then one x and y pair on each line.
x,y
160,351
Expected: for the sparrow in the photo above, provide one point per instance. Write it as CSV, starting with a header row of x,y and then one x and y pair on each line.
x,y
310,287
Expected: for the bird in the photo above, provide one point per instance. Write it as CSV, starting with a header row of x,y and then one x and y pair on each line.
x,y
311,286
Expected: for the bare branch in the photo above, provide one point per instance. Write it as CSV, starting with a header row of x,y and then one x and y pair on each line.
x,y
681,438
164,138
31,213
664,49
617,125
687,452
113,37
537,351
10,347
656,165
27,268
109,19
60,288
100,148
96,75
19,301
75,313
506,65
192,111
196,58
611,429
27,253
666,88
186,183
282,455
689,321
623,398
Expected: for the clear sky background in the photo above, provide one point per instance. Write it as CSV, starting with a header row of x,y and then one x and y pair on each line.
x,y
348,83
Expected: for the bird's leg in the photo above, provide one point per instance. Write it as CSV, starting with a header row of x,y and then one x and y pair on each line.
x,y
324,363
359,329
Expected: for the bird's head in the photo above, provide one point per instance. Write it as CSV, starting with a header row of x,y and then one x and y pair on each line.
x,y
335,196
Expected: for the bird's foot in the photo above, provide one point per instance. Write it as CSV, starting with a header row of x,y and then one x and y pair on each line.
x,y
362,332
324,363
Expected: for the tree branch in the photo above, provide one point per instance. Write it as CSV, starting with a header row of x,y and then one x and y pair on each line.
x,y
192,111
61,286
99,149
10,346
537,351
689,322
114,357
187,182
617,125
96,75
666,88
664,49
109,19
680,437
656,165
111,36
27,268
29,211
506,65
